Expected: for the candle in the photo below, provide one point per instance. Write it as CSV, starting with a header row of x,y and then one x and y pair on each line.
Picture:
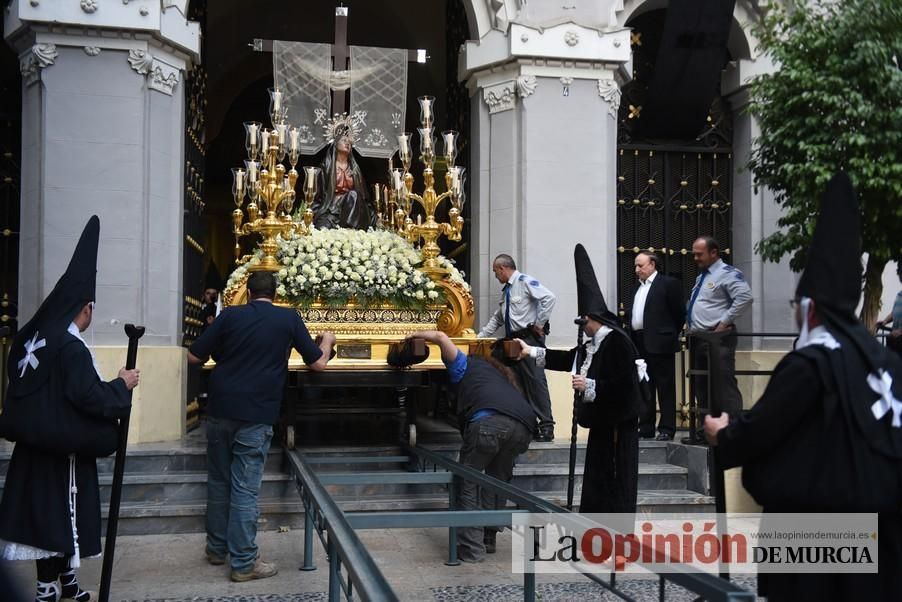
x,y
427,112
286,185
377,193
396,174
239,180
264,137
281,130
449,143
403,146
310,181
276,101
251,171
252,133
294,137
455,180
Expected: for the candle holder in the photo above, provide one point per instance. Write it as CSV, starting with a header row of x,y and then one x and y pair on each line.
x,y
428,230
269,187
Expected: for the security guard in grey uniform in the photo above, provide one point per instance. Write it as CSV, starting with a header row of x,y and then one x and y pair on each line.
x,y
719,297
523,313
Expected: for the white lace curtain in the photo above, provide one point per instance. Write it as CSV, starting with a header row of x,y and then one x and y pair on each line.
x,y
378,81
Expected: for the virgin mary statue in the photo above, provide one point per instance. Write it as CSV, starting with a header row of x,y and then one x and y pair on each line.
x,y
343,201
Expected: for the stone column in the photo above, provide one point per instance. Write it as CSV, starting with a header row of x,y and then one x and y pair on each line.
x,y
755,216
544,140
103,131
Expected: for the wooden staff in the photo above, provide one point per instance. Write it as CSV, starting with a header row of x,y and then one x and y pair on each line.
x,y
134,333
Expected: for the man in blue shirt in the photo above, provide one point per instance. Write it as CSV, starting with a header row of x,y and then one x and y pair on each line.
x,y
496,422
720,295
250,344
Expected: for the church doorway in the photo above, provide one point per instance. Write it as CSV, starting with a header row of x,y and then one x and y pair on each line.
x,y
231,86
236,79
668,192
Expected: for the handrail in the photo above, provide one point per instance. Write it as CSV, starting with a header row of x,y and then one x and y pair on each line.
x,y
709,587
366,577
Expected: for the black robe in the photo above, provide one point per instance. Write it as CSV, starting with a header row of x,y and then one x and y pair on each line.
x,y
611,472
803,448
34,510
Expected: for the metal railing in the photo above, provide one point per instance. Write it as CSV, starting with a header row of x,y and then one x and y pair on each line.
x,y
335,529
709,587
342,545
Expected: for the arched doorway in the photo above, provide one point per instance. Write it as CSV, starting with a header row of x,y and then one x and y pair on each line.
x,y
236,78
668,193
230,87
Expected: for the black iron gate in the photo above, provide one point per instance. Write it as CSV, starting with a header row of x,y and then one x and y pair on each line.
x,y
10,177
668,194
194,232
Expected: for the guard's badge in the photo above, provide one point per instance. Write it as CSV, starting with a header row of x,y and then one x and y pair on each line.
x,y
533,283
710,286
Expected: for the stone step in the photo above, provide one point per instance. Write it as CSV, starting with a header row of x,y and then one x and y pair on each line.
x,y
156,518
190,488
155,458
554,477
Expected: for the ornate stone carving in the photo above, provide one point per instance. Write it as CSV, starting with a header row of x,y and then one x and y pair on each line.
x,y
526,85
609,92
571,38
36,58
140,60
89,6
92,50
164,79
500,97
565,85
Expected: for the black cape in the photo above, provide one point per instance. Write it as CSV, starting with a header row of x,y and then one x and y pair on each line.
x,y
611,473
804,448
34,510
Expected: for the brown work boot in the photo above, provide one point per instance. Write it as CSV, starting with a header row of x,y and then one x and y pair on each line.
x,y
260,570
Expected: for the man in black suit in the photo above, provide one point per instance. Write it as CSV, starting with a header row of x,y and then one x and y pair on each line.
x,y
656,319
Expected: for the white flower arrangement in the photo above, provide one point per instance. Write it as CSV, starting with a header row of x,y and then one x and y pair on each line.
x,y
339,265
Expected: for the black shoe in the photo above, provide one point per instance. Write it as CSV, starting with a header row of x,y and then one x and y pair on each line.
x,y
699,440
489,540
544,434
664,437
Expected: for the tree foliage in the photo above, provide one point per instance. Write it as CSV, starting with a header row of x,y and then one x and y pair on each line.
x,y
834,102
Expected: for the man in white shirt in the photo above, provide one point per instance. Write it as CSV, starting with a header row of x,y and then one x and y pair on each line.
x,y
656,319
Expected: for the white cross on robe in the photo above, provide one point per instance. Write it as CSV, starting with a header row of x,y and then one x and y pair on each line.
x,y
30,358
882,384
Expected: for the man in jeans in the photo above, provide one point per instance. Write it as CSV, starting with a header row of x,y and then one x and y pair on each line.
x,y
250,345
496,422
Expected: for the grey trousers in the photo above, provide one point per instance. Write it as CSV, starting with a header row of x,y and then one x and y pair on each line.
x,y
535,386
490,444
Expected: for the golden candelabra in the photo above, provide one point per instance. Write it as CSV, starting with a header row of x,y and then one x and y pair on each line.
x,y
270,190
402,195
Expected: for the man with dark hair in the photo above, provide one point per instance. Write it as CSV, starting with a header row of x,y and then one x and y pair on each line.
x,y
496,423
523,312
656,319
826,435
250,345
720,295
